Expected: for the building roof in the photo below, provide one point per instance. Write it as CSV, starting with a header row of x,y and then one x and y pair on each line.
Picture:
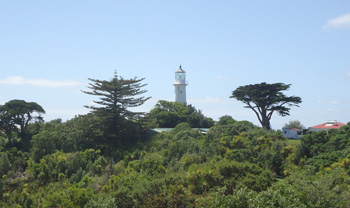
x,y
328,125
180,70
159,130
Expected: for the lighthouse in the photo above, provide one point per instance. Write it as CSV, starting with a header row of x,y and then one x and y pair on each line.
x,y
180,86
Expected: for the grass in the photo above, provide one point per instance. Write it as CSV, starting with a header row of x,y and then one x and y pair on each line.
x,y
293,141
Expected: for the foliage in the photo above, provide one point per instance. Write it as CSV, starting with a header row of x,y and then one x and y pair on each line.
x,y
167,114
322,142
226,120
105,201
324,189
116,96
19,113
294,124
242,197
5,164
231,129
233,165
264,99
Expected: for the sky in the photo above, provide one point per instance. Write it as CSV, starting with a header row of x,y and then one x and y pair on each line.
x,y
49,49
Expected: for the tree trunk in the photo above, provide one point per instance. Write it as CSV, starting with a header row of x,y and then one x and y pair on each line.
x,y
266,123
9,136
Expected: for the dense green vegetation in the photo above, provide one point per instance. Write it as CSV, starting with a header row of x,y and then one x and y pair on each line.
x,y
235,165
167,114
84,162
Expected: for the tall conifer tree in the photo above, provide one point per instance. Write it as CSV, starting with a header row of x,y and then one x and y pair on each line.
x,y
116,97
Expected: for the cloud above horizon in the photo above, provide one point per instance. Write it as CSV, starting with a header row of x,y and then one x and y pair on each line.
x,y
18,80
334,102
347,75
340,22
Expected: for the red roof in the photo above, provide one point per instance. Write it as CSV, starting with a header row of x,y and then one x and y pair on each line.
x,y
328,125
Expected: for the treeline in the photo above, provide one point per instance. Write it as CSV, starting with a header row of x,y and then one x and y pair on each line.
x,y
105,159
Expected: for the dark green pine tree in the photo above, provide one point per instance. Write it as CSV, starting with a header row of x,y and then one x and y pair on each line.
x,y
116,97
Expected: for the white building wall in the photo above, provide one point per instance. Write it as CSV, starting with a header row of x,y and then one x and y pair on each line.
x,y
291,133
180,93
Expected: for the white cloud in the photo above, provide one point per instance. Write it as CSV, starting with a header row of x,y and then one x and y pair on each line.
x,y
347,75
334,102
18,80
338,22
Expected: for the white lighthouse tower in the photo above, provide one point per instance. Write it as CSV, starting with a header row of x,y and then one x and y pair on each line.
x,y
180,86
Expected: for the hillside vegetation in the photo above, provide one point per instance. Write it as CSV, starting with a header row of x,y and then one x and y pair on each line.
x,y
236,164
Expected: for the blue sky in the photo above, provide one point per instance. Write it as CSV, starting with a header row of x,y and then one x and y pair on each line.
x,y
49,49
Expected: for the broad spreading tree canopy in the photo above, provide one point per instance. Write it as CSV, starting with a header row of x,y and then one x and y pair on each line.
x,y
265,99
19,113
